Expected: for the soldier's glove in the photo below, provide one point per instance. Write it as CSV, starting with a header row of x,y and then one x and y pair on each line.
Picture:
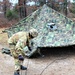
x,y
29,48
20,57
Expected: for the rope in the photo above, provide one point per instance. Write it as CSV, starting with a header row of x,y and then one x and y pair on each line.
x,y
50,64
21,72
27,67
25,70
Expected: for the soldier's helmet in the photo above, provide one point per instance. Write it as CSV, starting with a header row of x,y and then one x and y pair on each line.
x,y
33,32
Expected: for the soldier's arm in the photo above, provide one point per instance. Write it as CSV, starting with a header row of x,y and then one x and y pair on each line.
x,y
29,44
20,45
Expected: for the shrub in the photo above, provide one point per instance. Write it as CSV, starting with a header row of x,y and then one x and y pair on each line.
x,y
12,14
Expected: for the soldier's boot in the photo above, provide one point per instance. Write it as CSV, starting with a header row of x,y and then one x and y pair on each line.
x,y
23,67
16,73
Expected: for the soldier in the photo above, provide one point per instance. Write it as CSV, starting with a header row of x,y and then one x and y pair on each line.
x,y
16,43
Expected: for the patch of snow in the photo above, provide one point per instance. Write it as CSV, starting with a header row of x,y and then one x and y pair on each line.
x,y
31,3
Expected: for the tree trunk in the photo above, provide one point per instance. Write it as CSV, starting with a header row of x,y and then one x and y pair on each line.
x,y
65,7
22,8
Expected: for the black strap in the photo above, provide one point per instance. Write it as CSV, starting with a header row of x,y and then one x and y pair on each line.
x,y
28,45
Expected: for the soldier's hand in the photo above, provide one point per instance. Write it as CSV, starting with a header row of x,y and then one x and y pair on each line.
x,y
29,48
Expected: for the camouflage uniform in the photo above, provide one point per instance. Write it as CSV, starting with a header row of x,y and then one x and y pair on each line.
x,y
16,43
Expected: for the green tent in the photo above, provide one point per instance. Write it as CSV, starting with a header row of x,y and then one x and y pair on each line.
x,y
55,29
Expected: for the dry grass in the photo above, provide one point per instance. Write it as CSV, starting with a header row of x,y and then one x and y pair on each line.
x,y
3,37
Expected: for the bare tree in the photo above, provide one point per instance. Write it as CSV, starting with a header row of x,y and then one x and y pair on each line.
x,y
22,8
42,2
6,6
65,7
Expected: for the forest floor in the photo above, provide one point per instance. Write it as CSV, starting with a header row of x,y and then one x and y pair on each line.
x,y
57,61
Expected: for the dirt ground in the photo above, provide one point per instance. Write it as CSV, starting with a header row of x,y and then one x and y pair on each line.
x,y
57,61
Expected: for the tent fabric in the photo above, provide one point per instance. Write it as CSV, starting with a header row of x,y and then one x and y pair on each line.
x,y
62,34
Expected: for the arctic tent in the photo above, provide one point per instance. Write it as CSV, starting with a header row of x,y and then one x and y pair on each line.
x,y
54,29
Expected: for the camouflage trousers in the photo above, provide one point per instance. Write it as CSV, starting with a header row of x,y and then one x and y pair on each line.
x,y
15,53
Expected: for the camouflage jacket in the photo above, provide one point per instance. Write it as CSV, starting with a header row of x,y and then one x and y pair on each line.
x,y
20,39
